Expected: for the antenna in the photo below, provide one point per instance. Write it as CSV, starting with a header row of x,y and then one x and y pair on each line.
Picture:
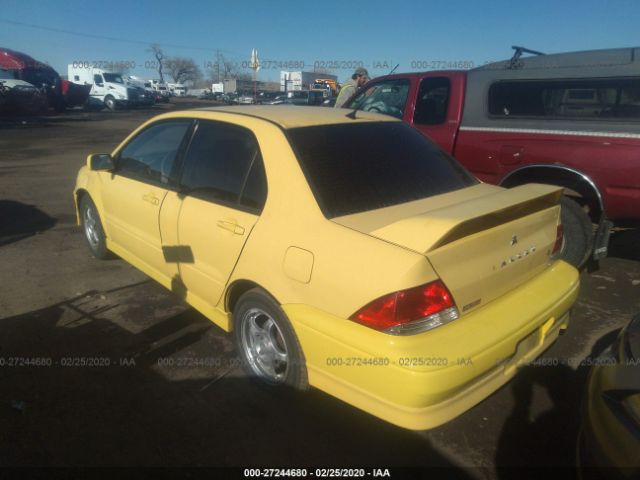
x,y
513,63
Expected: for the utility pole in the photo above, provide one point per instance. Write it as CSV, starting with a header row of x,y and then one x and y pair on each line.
x,y
218,63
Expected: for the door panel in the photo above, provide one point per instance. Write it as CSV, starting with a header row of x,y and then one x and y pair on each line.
x,y
132,209
215,235
223,190
133,194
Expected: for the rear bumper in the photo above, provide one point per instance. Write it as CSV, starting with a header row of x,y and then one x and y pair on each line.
x,y
422,381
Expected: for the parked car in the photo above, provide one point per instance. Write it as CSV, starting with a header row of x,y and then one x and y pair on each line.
x,y
40,75
21,97
566,119
245,99
351,253
229,98
159,97
268,97
611,416
145,98
299,97
209,96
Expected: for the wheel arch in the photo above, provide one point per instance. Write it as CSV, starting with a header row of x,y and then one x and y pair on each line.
x,y
239,287
77,197
561,176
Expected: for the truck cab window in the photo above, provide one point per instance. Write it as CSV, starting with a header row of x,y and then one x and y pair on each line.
x,y
388,97
433,101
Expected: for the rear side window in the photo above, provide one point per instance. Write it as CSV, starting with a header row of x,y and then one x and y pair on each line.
x,y
579,99
223,164
432,101
353,168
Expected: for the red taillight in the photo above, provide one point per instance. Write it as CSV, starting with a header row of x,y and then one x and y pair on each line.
x,y
559,238
394,311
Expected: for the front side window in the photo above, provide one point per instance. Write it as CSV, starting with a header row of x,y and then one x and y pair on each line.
x,y
388,97
353,168
432,101
151,155
578,99
224,165
113,78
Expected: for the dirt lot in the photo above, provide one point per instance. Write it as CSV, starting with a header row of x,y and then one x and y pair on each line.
x,y
152,400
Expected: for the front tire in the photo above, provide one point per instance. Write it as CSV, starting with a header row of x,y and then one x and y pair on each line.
x,y
110,102
267,344
92,228
578,232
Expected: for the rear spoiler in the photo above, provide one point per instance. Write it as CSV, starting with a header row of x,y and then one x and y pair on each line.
x,y
446,225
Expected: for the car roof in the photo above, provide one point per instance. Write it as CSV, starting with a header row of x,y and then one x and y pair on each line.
x,y
299,116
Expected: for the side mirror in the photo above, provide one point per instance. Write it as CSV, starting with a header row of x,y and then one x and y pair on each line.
x,y
100,161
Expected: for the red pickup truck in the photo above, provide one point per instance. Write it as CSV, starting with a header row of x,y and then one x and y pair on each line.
x,y
570,119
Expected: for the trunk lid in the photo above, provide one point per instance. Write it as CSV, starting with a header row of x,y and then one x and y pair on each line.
x,y
482,241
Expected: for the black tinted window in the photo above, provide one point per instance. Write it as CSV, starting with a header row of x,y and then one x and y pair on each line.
x,y
152,153
358,167
432,101
218,164
588,99
254,193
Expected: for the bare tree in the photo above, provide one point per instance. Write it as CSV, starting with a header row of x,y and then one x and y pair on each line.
x,y
157,52
183,69
227,68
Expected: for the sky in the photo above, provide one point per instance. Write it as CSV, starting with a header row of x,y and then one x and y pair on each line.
x,y
340,35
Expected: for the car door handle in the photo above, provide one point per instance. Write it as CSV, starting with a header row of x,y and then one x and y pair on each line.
x,y
151,198
232,226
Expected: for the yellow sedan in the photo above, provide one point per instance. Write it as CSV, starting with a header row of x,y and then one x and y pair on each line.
x,y
343,250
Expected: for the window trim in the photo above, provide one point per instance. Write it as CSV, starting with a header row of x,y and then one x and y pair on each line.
x,y
173,183
489,115
234,205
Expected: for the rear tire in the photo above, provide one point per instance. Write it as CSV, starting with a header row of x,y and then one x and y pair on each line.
x,y
266,342
578,232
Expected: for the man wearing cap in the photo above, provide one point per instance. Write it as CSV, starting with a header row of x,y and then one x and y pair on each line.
x,y
359,78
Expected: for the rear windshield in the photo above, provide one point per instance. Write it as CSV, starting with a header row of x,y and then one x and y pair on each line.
x,y
353,168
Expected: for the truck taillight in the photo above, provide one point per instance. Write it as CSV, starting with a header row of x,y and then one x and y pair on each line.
x,y
409,311
559,239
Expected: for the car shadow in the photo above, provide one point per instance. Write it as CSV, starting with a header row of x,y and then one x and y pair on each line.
x,y
82,390
624,244
10,121
19,220
530,448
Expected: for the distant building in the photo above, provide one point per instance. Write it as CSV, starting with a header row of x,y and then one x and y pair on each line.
x,y
239,85
291,81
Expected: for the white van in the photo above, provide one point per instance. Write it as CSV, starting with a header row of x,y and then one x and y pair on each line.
x,y
107,87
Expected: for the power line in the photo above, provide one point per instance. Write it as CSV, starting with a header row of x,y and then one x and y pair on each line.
x,y
113,39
